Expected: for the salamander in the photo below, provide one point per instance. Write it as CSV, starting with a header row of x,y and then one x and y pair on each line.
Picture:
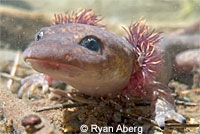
x,y
79,51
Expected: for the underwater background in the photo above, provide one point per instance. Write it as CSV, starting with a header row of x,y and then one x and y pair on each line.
x,y
177,20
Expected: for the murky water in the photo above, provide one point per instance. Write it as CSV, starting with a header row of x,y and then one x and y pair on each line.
x,y
178,20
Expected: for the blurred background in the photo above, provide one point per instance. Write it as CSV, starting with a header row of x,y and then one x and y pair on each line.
x,y
179,20
21,19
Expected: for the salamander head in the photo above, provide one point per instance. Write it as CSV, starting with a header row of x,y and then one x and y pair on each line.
x,y
91,59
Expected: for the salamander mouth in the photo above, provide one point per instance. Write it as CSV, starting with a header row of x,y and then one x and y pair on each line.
x,y
51,65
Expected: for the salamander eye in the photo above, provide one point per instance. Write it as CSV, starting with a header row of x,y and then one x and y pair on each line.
x,y
39,36
91,43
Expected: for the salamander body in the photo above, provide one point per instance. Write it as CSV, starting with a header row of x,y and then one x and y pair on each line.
x,y
79,52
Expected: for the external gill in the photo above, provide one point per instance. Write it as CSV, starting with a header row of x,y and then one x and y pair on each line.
x,y
144,44
142,83
82,16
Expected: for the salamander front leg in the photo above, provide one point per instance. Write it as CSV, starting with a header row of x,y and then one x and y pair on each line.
x,y
163,110
163,106
30,83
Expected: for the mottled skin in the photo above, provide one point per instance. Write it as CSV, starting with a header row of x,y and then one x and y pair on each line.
x,y
90,72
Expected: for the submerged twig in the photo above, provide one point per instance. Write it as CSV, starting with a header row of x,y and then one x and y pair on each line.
x,y
178,125
72,96
153,122
66,105
8,76
143,119
189,91
61,93
167,125
179,102
81,99
19,65
14,69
